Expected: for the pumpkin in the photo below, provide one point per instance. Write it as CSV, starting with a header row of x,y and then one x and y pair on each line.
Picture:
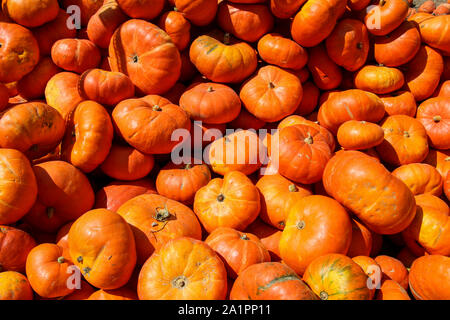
x,y
325,72
366,187
177,27
180,182
270,281
115,294
357,5
275,49
19,52
285,9
316,20
315,226
423,73
379,80
210,102
429,278
399,46
31,13
393,269
19,186
64,194
105,87
48,272
248,22
427,6
238,250
14,286
359,135
102,246
442,9
155,220
32,85
434,114
61,93
361,244
271,86
348,44
139,47
116,193
405,140
104,22
372,270
141,9
77,55
386,16
154,123
269,236
15,244
391,290
87,8
401,102
221,58
337,277
443,90
420,178
192,271
233,202
347,105
440,159
198,12
33,128
435,32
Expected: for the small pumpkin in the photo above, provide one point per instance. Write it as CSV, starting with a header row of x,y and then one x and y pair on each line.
x,y
386,16
429,278
400,102
326,74
31,13
391,290
359,135
420,178
434,114
283,52
378,79
177,27
361,244
15,245
393,269
198,12
141,9
77,55
14,286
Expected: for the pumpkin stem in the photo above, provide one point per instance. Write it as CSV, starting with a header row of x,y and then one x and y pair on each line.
x,y
220,197
293,188
135,59
300,225
188,166
61,260
210,89
179,282
162,214
437,118
309,139
323,295
50,211
156,108
226,38
447,159
406,134
175,9
271,85
244,237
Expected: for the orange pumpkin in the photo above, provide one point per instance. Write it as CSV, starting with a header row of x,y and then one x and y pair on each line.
x,y
141,9
284,9
283,52
372,270
15,245
326,74
361,244
77,55
177,27
31,13
440,159
401,102
198,12
359,135
429,278
393,269
386,16
391,290
420,178
269,236
87,8
81,293
115,294
435,32
434,114
14,286
379,80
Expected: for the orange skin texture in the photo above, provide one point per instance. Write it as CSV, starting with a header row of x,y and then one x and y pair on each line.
x,y
429,278
198,12
399,46
153,124
32,86
270,281
359,135
88,137
391,290
102,246
269,236
127,163
283,52
248,22
33,128
272,86
310,99
18,183
428,7
284,9
14,286
48,272
379,80
184,268
326,74
104,22
443,90
371,269
424,72
278,194
105,87
405,140
15,245
358,5
315,21
88,8
420,178
31,13
64,194
81,294
393,269
430,229
177,27
239,151
361,244
223,60
116,294
401,102
146,54
233,202
355,180
238,250
152,229
347,105
77,55
303,153
141,9
19,53
440,159
337,277
61,93
386,16
212,103
348,44
180,182
435,32
434,114
315,226
116,193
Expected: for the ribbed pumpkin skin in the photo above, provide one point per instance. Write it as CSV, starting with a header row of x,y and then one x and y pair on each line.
x,y
420,178
429,278
434,114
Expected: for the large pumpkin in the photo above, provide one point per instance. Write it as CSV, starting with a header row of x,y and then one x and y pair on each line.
x,y
15,244
31,13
